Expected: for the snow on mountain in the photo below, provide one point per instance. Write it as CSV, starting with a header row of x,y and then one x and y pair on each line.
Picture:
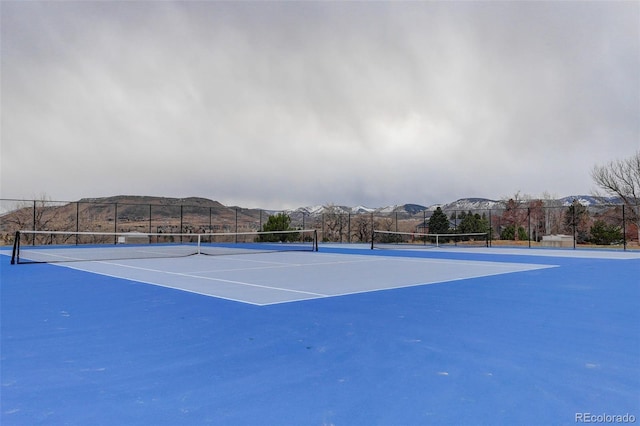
x,y
404,209
466,204
312,210
387,210
589,200
361,210
463,204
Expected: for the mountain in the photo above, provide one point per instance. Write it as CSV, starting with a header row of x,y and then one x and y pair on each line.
x,y
361,210
466,204
156,201
589,200
139,206
414,208
487,204
405,209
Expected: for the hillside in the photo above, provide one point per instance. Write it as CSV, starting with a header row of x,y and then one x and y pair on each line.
x,y
160,201
130,213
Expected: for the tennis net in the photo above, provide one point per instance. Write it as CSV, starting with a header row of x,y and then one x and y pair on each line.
x,y
391,239
64,246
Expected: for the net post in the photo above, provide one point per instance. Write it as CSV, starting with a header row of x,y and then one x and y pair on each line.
x,y
15,254
315,240
199,240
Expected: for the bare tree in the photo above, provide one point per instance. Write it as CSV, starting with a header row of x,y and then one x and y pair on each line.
x,y
622,178
32,215
553,213
334,223
362,227
536,219
515,213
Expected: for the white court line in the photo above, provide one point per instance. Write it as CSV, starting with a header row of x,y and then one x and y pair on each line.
x,y
217,296
277,265
506,265
418,284
188,275
579,253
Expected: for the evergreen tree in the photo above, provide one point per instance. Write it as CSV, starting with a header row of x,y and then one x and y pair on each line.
x,y
278,222
601,233
509,233
473,223
438,222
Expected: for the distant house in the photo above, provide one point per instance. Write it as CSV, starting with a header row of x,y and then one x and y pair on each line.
x,y
423,227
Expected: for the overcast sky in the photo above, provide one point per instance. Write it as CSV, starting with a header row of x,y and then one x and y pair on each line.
x,y
288,104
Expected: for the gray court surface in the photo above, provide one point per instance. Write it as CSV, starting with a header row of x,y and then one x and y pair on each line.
x,y
270,278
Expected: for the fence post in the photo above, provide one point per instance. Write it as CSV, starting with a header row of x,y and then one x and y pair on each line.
x,y
115,224
490,228
372,229
181,222
624,230
529,225
77,220
573,223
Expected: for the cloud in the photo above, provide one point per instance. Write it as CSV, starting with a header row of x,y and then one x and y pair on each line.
x,y
282,104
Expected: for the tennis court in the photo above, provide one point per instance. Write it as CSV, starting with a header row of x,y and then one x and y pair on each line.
x,y
345,335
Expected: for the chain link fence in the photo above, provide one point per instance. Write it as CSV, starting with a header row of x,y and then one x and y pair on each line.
x,y
530,224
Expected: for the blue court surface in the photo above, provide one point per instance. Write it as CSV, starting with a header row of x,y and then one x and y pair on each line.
x,y
343,336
